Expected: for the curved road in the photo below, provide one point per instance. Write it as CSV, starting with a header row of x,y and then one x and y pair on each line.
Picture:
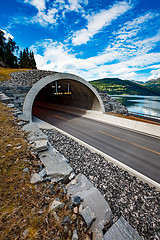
x,y
138,151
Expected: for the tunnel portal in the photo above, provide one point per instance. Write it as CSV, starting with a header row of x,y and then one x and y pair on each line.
x,y
62,89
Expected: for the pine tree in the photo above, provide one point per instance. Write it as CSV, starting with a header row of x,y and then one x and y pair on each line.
x,y
8,48
26,59
20,58
9,57
2,45
32,61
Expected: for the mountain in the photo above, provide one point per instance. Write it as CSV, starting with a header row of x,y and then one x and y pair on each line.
x,y
139,82
154,84
116,86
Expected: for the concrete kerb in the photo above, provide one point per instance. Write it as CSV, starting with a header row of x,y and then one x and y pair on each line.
x,y
133,172
30,97
138,126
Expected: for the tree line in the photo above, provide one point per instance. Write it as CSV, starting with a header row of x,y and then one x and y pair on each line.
x,y
9,52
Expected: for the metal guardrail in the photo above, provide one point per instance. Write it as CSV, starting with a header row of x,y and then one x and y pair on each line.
x,y
145,115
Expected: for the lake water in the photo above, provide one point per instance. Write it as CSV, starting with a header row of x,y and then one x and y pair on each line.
x,y
140,104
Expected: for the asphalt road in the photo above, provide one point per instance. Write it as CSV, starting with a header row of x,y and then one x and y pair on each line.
x,y
138,151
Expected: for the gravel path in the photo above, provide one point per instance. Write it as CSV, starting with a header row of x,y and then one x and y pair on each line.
x,y
136,201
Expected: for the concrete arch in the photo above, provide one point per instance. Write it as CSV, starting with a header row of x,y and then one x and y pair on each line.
x,y
97,103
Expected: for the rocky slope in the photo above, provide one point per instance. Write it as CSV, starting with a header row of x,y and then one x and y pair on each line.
x,y
112,105
136,201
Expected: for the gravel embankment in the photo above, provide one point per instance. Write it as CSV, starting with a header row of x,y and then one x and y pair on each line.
x,y
136,201
112,105
25,78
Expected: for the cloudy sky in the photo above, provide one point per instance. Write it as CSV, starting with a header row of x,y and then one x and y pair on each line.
x,y
91,38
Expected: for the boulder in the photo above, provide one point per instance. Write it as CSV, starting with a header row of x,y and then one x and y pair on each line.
x,y
93,199
4,98
40,145
37,138
88,215
75,235
121,230
10,105
56,205
51,151
34,131
112,105
35,178
55,165
42,173
80,183
55,169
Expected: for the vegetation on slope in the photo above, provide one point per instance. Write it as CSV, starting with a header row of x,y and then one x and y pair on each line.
x,y
115,86
154,84
23,206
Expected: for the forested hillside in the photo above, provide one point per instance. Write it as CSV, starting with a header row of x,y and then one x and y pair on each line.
x,y
116,86
154,84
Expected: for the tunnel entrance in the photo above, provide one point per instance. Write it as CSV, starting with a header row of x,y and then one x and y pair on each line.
x,y
69,93
62,89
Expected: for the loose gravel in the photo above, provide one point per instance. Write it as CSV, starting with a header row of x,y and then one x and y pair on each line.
x,y
136,201
112,105
25,78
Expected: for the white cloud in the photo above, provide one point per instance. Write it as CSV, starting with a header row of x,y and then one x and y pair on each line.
x,y
97,21
147,44
144,60
6,34
58,57
45,15
131,28
75,5
125,56
154,74
49,13
39,4
128,76
123,70
130,42
45,18
157,66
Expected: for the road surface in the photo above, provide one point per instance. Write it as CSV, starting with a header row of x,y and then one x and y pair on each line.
x,y
136,150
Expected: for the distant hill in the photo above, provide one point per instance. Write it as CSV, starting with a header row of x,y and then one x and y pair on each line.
x,y
139,82
154,84
116,86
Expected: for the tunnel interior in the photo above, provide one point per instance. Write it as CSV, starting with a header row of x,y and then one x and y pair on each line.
x,y
68,92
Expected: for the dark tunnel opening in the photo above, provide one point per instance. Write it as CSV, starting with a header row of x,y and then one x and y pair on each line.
x,y
67,93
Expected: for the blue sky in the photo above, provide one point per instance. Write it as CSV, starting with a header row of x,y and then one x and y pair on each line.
x,y
91,38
